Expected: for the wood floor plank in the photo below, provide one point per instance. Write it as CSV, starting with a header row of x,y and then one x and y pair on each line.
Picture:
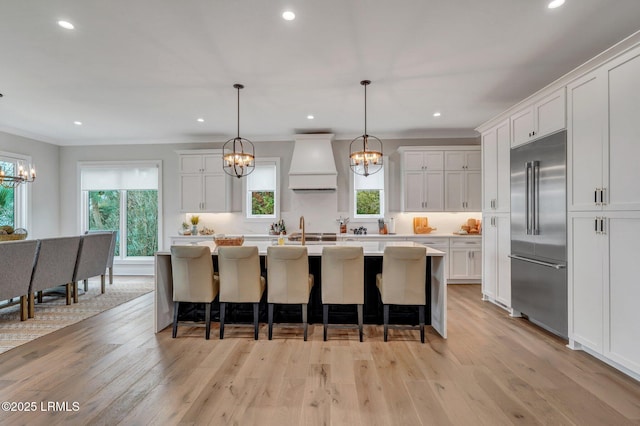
x,y
493,369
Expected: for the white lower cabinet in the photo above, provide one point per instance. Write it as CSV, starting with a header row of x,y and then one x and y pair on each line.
x,y
603,290
496,266
465,258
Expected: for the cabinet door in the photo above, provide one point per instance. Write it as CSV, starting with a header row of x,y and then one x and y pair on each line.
x,y
454,160
212,164
214,193
503,202
489,170
521,127
550,114
454,191
412,160
621,308
586,276
414,191
458,263
622,175
585,141
473,192
191,164
434,191
433,160
502,223
473,160
191,193
475,264
490,257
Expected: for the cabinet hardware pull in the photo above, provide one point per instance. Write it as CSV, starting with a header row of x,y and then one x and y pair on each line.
x,y
602,219
602,195
596,225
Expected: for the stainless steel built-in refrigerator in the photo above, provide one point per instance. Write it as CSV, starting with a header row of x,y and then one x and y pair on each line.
x,y
539,232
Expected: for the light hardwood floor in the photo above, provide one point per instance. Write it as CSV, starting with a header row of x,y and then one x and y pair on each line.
x,y
492,370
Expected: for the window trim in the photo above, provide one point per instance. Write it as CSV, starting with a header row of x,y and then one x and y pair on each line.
x,y
83,205
265,161
22,194
385,196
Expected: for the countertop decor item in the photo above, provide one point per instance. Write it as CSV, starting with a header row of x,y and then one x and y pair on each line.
x,y
238,154
363,159
229,241
421,225
7,233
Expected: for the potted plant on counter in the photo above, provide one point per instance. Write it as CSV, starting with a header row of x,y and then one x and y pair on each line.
x,y
195,219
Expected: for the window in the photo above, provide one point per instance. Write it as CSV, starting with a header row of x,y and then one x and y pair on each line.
x,y
368,195
123,197
13,205
262,197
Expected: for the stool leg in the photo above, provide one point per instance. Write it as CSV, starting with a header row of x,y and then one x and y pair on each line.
x,y
421,319
385,315
325,319
207,319
255,320
270,320
304,320
360,317
175,319
223,305
86,285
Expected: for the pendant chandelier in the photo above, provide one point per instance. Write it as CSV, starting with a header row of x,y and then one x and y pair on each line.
x,y
365,159
23,176
238,154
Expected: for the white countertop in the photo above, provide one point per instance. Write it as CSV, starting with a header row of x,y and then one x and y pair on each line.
x,y
342,236
371,248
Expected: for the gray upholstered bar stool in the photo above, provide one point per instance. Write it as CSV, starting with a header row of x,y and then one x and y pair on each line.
x,y
193,281
402,282
289,280
342,282
240,280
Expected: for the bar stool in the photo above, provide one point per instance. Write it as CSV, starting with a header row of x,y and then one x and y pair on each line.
x,y
342,282
240,280
289,280
193,281
402,282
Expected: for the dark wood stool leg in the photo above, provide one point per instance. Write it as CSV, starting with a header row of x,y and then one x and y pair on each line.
x,y
304,320
176,305
40,296
102,283
31,305
223,305
207,319
360,320
75,292
86,285
325,319
421,319
385,314
270,315
255,320
68,292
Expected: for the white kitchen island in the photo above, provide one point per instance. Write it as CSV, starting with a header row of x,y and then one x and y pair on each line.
x,y
436,279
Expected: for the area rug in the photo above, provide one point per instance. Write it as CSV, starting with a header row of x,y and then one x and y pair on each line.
x,y
54,314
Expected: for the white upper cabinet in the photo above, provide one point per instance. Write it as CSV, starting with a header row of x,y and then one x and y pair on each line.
x,y
203,183
540,119
603,135
462,160
423,160
496,149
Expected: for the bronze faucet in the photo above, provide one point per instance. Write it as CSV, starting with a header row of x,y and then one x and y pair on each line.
x,y
302,227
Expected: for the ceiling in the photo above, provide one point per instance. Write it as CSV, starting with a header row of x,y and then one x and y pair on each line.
x,y
143,71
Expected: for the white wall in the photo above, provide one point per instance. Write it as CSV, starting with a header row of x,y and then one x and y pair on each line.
x,y
44,192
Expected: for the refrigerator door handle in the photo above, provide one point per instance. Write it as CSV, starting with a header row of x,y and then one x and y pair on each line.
x,y
528,179
537,262
535,196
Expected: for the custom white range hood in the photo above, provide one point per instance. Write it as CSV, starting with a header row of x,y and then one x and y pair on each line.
x,y
312,165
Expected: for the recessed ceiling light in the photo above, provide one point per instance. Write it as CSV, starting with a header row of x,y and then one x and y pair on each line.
x,y
555,3
310,117
288,15
66,25
200,120
436,114
78,123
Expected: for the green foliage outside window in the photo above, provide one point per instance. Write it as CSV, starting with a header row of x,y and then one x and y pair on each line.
x,y
141,216
7,211
262,203
368,201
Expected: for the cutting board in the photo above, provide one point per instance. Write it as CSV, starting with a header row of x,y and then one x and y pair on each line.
x,y
421,225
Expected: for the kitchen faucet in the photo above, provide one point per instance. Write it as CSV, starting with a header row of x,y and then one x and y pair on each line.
x,y
302,227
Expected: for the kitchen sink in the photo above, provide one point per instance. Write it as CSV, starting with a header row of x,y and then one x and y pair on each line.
x,y
313,236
